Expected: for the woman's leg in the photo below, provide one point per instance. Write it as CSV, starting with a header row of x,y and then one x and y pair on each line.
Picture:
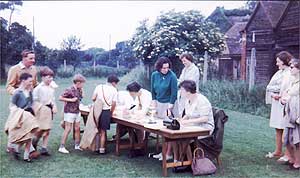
x,y
278,148
291,153
297,156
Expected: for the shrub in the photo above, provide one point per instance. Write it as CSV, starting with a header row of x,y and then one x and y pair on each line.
x,y
100,71
234,95
137,74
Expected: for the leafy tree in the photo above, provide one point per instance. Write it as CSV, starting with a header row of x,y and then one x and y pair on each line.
x,y
3,46
12,6
174,33
20,38
71,47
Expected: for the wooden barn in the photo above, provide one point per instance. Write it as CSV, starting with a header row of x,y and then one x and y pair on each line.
x,y
230,22
273,27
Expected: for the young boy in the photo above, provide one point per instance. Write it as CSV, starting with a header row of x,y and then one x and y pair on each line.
x,y
72,97
21,123
107,93
44,94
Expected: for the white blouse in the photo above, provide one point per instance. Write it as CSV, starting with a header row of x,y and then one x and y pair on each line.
x,y
110,94
190,73
199,108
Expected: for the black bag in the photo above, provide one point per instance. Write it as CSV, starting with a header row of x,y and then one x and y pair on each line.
x,y
174,125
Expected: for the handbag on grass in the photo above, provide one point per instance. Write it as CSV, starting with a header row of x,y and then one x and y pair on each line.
x,y
202,165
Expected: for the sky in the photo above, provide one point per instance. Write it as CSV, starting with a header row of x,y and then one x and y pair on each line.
x,y
94,21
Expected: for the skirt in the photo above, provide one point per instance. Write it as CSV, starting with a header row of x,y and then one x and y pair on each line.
x,y
104,120
161,110
292,135
276,119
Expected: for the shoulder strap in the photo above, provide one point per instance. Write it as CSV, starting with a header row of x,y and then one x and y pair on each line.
x,y
104,97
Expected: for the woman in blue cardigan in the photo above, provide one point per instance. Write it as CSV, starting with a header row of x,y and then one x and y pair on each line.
x,y
164,93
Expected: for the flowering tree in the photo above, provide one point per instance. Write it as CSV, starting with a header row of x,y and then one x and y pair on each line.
x,y
174,33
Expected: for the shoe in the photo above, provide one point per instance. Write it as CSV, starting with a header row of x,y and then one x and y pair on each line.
x,y
16,155
34,155
167,158
77,147
272,155
44,152
63,150
158,156
27,160
283,159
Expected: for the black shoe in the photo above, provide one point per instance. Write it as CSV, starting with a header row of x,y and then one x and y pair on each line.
x,y
27,160
182,169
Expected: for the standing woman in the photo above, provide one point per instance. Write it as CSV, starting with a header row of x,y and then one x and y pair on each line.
x,y
278,84
164,92
189,72
292,113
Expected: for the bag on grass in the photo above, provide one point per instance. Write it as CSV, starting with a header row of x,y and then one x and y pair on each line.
x,y
202,165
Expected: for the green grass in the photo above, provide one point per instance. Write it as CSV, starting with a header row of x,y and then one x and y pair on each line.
x,y
247,139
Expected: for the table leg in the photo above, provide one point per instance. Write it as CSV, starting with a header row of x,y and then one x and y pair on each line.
x,y
164,161
145,142
118,140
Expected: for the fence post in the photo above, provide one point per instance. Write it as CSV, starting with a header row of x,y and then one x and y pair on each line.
x,y
205,70
65,65
252,69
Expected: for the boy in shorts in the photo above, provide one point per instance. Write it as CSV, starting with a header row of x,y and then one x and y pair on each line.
x,y
72,97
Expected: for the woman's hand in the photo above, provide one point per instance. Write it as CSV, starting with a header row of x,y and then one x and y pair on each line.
x,y
54,109
275,96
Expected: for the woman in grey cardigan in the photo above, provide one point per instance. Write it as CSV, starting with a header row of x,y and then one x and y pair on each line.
x,y
292,116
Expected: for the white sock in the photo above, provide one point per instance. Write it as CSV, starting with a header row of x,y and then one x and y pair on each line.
x,y
102,150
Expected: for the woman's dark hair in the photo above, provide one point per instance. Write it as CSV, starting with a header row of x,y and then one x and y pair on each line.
x,y
161,61
296,63
189,86
285,57
187,56
25,76
133,87
112,79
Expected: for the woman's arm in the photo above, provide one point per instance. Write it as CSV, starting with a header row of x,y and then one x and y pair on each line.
x,y
186,120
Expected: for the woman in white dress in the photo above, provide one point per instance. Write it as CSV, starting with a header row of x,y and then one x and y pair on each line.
x,y
278,84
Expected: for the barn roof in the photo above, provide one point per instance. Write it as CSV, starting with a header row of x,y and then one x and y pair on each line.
x,y
233,38
273,10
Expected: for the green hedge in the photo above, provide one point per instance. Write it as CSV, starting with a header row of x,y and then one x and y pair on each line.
x,y
234,95
100,71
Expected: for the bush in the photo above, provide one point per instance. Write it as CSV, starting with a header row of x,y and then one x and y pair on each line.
x,y
235,96
137,74
100,71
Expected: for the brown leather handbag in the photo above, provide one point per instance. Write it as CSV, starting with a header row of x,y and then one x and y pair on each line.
x,y
202,165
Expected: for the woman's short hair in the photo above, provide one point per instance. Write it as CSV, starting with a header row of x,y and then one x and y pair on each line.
x,y
45,71
133,87
285,57
161,61
112,79
187,56
189,86
79,78
25,52
25,76
296,63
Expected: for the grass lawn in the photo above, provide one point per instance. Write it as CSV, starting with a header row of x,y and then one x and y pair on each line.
x,y
247,139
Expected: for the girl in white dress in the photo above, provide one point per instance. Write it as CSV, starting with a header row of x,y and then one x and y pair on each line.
x,y
278,84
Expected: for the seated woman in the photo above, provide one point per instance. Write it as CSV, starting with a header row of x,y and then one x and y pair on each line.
x,y
21,123
198,112
135,99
